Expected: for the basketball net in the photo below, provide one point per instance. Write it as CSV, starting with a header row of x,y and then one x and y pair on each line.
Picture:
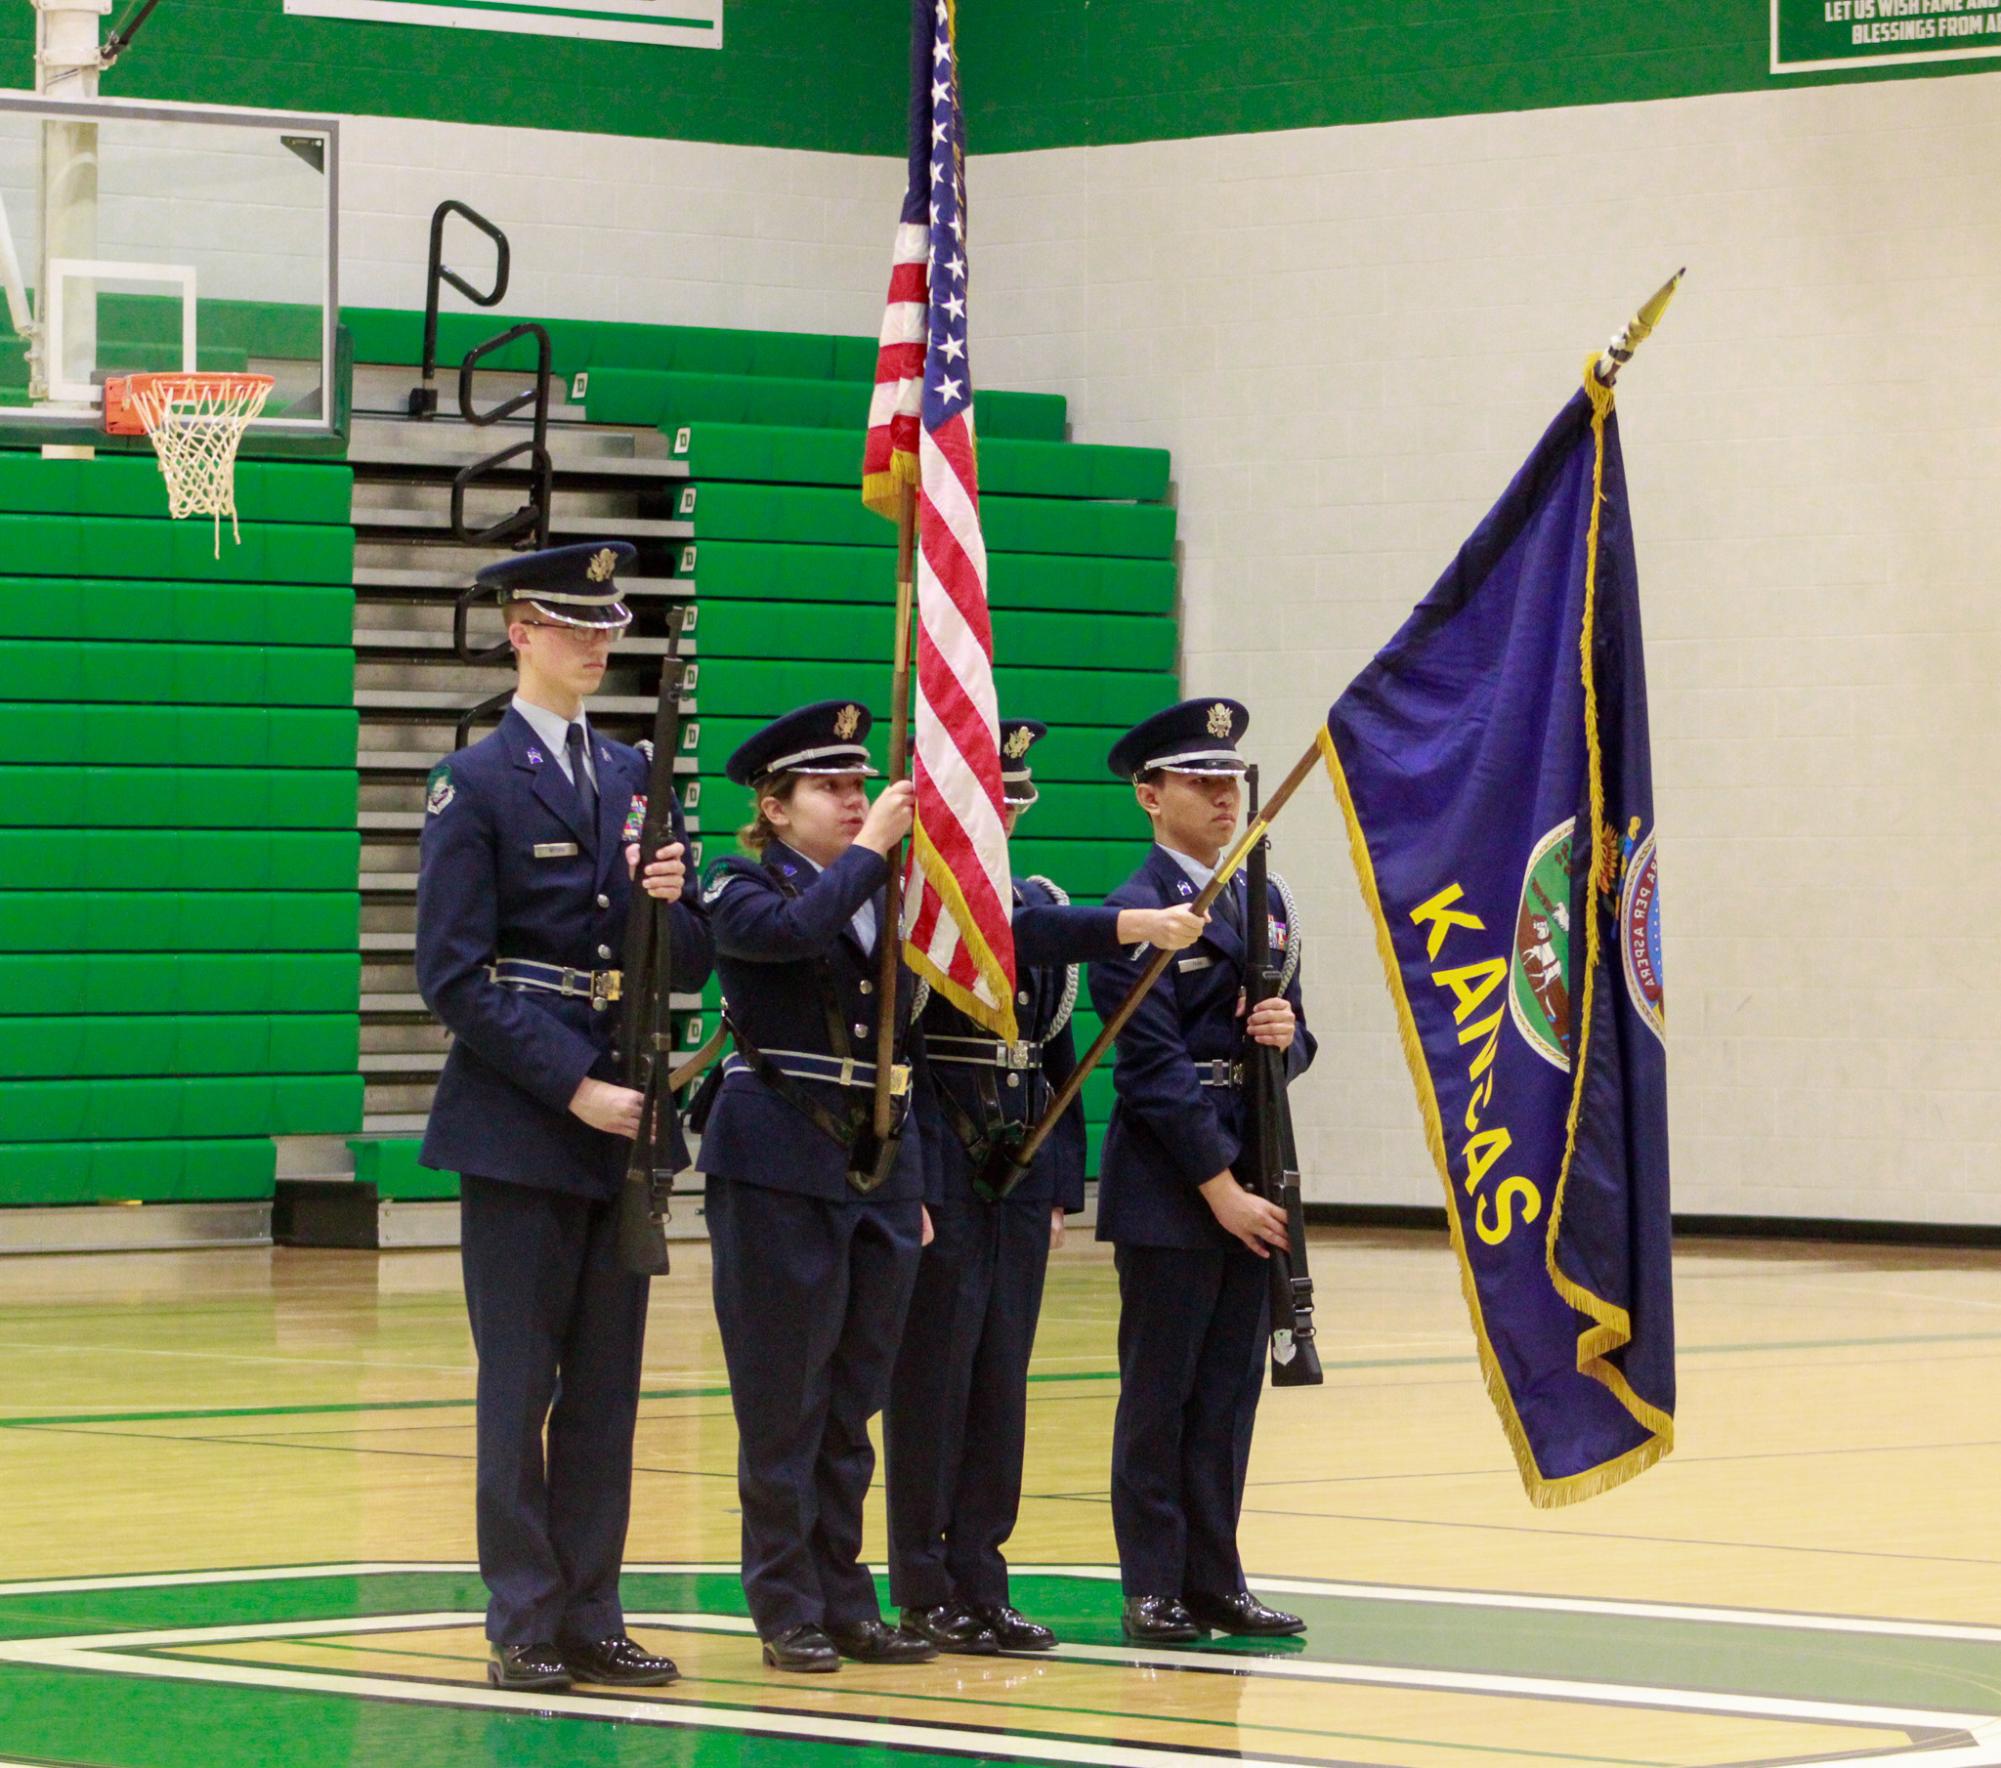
x,y
195,422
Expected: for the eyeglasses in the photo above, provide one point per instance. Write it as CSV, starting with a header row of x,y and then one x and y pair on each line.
x,y
583,635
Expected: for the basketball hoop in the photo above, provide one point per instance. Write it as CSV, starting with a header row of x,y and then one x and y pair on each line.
x,y
195,422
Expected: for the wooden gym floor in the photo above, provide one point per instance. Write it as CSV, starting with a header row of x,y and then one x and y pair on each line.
x,y
236,1507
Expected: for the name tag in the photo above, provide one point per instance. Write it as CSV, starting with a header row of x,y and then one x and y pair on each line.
x,y
555,850
1187,964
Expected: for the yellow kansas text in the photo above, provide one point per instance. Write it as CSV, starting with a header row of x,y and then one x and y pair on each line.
x,y
1470,985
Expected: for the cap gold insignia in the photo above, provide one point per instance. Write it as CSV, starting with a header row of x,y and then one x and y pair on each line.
x,y
603,563
1219,720
846,722
1017,744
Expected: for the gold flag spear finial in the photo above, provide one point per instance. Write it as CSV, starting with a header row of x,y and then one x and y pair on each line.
x,y
1638,329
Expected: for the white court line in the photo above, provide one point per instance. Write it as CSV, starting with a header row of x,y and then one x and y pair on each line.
x,y
1580,1605
984,1743
1414,1593
106,1653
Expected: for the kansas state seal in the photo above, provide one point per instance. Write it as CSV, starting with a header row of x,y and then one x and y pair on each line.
x,y
1640,935
1539,977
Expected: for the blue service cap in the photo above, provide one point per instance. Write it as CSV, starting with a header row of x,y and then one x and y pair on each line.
x,y
824,738
1197,736
573,585
1018,736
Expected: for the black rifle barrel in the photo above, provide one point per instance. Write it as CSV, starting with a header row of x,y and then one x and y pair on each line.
x,y
647,1031
1270,1166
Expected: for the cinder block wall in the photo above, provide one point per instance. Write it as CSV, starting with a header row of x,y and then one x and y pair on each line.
x,y
1350,337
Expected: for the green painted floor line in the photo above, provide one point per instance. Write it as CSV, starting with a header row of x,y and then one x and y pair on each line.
x,y
691,1684
349,1407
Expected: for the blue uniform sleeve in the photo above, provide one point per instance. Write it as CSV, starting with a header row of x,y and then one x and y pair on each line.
x,y
458,906
753,920
1155,1077
1051,933
1305,1046
1067,1147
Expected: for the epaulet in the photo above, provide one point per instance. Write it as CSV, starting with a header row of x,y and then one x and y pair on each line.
x,y
1057,893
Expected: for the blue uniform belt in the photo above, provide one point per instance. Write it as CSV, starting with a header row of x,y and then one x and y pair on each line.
x,y
983,1052
599,987
840,1071
1220,1073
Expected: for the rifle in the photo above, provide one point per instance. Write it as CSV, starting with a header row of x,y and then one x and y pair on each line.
x,y
643,1200
1008,1163
1269,1164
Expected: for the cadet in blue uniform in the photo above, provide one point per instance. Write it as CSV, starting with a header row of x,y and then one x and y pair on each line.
x,y
1193,1299
953,1432
812,1273
521,906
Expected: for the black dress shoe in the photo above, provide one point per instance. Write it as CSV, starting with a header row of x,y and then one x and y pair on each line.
x,y
804,1648
1014,1630
618,1662
870,1642
1158,1620
1242,1614
950,1626
538,1668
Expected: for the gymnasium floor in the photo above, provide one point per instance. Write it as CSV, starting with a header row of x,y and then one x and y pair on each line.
x,y
236,1529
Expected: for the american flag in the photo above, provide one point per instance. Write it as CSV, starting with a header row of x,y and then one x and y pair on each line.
x,y
956,929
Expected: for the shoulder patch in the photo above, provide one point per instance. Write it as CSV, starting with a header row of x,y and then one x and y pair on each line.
x,y
438,790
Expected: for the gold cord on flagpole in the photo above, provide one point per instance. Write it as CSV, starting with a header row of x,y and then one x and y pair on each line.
x,y
1638,329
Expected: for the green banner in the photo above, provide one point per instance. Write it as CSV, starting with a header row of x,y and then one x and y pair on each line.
x,y
1814,35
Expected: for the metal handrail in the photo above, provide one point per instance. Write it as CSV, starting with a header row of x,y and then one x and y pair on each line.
x,y
424,397
528,526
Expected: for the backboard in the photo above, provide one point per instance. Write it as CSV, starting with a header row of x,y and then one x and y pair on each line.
x,y
163,236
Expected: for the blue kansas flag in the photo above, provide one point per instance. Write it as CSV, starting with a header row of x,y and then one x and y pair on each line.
x,y
1492,764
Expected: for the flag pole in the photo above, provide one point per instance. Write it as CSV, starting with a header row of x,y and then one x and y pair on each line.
x,y
1066,1095
889,936
1638,329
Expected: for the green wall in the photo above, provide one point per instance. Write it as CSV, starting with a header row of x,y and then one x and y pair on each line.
x,y
1059,73
787,75
828,74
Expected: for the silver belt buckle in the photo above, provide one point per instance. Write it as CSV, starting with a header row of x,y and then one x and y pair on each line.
x,y
1015,1056
604,986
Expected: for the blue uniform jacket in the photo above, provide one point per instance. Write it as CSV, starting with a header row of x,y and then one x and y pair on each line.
x,y
502,1104
1169,1134
1048,937
768,948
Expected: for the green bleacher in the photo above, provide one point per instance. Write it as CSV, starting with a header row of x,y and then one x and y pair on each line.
x,y
182,998
178,900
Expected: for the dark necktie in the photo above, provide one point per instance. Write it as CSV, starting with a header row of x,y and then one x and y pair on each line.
x,y
1230,905
580,775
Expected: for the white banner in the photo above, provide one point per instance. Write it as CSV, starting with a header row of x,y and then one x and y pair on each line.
x,y
684,24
